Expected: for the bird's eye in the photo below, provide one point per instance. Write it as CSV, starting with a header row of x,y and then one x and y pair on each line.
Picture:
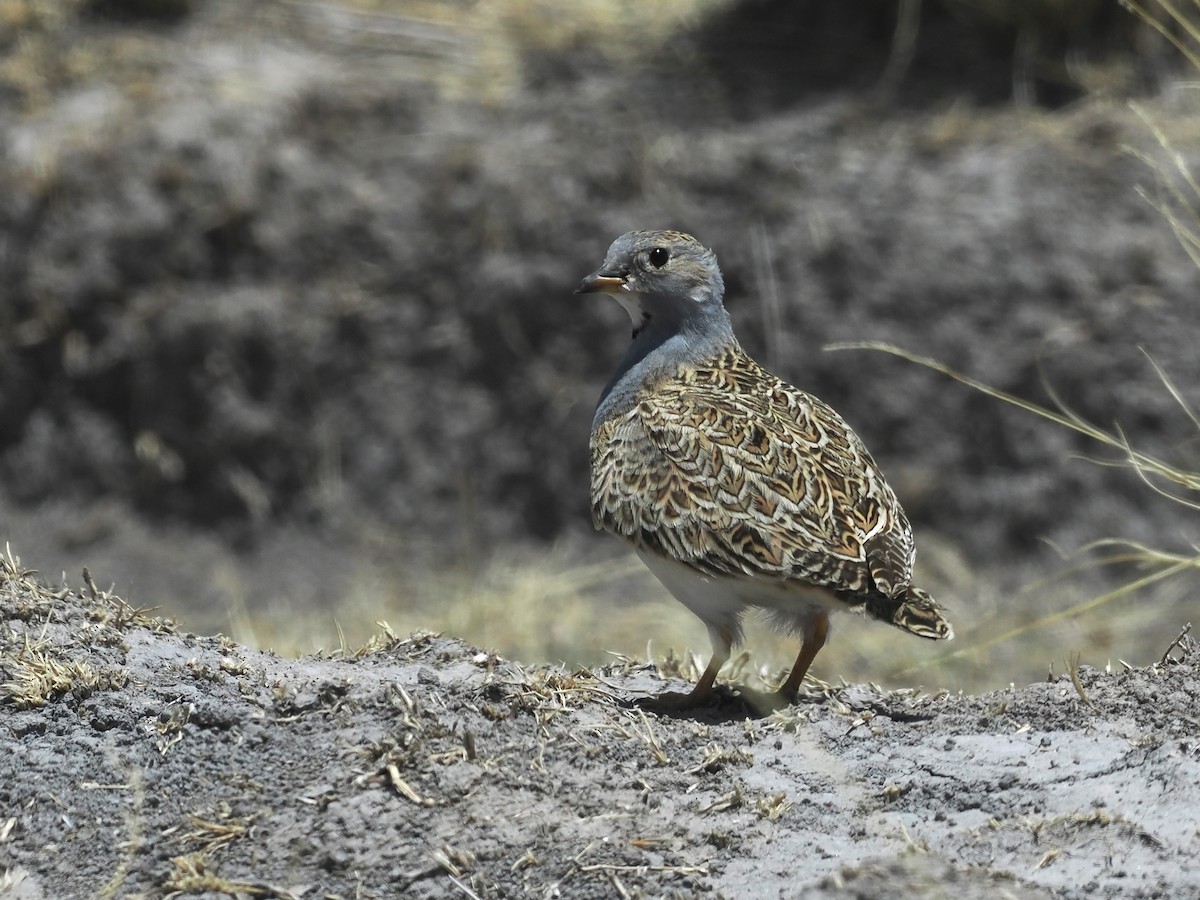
x,y
659,257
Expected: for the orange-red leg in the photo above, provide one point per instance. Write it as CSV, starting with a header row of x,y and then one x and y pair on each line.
x,y
722,641
814,639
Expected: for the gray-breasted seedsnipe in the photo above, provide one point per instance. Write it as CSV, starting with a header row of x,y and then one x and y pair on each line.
x,y
736,489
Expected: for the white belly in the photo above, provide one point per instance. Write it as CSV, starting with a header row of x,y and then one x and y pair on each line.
x,y
721,600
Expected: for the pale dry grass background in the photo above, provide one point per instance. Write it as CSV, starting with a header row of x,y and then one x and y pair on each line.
x,y
549,607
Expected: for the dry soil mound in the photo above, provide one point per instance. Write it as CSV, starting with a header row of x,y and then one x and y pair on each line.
x,y
143,762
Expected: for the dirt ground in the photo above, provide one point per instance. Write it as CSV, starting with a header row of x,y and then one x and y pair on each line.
x,y
144,762
296,276
286,324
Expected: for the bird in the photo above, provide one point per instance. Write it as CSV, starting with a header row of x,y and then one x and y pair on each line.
x,y
738,490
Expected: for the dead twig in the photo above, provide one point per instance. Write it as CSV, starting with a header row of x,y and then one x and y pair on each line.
x,y
1072,664
91,585
1182,641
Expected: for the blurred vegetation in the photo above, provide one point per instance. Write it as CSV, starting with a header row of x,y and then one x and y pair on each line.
x,y
253,255
1040,51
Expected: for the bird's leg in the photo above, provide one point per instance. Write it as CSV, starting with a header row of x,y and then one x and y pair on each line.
x,y
722,641
815,633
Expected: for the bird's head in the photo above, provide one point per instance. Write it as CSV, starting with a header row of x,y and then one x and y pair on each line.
x,y
664,275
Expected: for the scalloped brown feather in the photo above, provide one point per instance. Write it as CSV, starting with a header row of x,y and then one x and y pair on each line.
x,y
733,472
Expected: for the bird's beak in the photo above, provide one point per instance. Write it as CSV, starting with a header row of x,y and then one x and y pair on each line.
x,y
599,283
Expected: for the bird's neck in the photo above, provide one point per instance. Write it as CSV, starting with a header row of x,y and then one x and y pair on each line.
x,y
660,348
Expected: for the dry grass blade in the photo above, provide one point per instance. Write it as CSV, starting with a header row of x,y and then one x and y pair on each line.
x,y
1182,642
1124,590
1186,24
1163,564
1174,391
1176,205
1173,202
1072,666
1143,463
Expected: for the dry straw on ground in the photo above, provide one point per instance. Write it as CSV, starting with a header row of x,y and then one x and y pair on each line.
x,y
421,764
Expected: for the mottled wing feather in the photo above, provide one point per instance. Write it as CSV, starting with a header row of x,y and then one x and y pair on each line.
x,y
732,471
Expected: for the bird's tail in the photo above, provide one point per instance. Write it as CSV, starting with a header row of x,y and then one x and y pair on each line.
x,y
914,611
